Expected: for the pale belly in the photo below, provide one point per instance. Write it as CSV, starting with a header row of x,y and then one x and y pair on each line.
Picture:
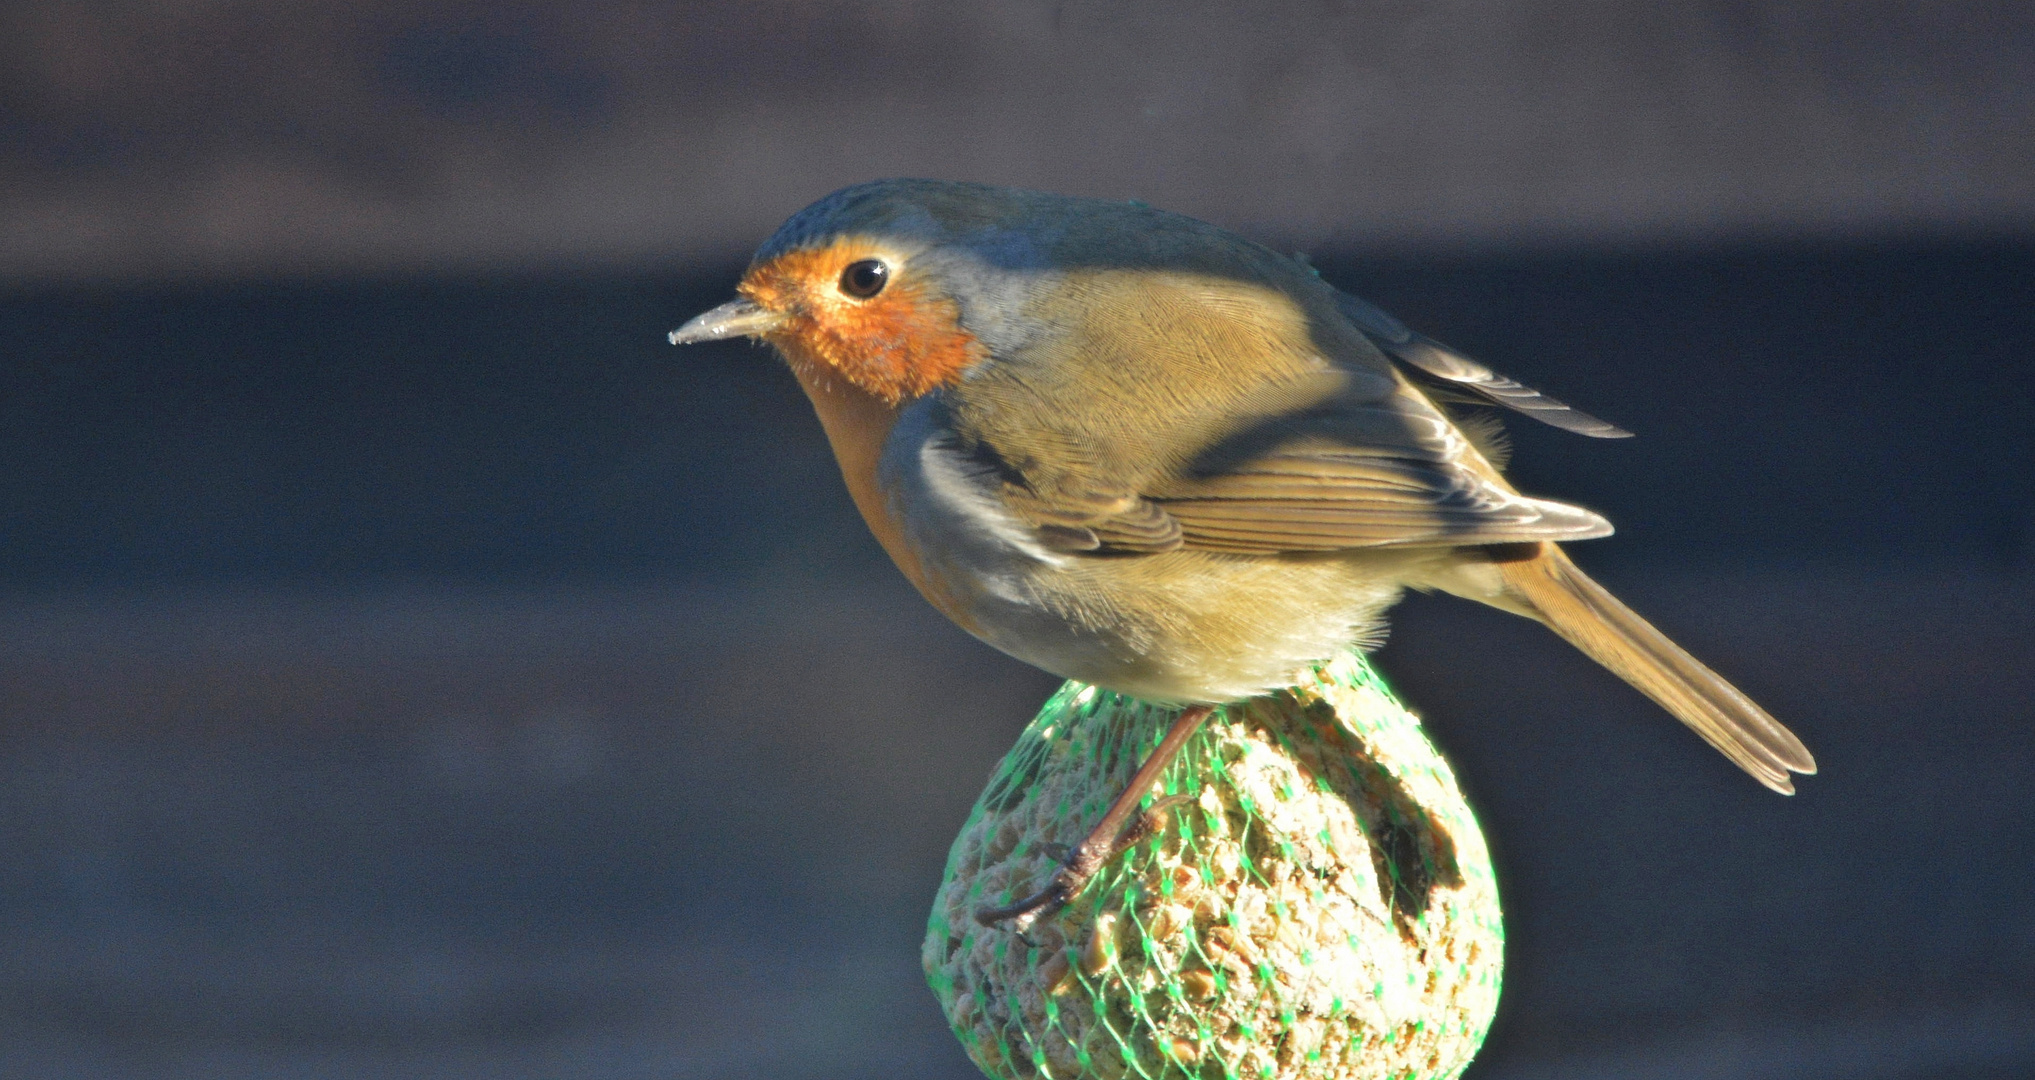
x,y
1188,626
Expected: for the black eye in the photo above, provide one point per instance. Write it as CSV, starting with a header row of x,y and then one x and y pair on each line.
x,y
864,278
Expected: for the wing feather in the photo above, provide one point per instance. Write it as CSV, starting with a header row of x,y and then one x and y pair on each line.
x,y
1324,504
1432,358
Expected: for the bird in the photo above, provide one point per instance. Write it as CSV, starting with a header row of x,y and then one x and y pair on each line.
x,y
1140,451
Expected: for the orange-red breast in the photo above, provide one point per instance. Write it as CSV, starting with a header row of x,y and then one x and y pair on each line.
x,y
1136,450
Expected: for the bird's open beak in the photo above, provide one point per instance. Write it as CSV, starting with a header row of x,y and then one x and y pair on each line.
x,y
736,318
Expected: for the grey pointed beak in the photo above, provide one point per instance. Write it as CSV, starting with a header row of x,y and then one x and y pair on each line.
x,y
736,318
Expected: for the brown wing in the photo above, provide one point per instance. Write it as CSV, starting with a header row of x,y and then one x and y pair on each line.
x,y
1124,524
1384,474
1156,411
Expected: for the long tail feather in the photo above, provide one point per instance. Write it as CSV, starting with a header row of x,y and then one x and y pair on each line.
x,y
1593,620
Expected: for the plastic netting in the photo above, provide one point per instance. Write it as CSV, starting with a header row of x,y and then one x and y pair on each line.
x,y
1320,905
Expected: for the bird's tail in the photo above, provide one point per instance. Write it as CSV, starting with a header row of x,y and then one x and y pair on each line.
x,y
1593,620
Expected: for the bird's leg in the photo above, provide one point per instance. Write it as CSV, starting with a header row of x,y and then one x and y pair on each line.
x,y
1110,835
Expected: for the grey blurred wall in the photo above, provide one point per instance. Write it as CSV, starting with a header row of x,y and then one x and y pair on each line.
x,y
201,139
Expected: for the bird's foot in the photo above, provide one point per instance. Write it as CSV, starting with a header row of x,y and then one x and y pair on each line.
x,y
1122,826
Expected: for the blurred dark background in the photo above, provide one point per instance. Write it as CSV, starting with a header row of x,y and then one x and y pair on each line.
x,y
412,666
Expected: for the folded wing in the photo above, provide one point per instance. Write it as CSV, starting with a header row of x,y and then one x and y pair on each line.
x,y
1385,474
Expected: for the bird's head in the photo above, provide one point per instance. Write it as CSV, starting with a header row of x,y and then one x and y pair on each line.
x,y
900,287
868,286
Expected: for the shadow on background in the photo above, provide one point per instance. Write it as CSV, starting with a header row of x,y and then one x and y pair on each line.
x,y
447,678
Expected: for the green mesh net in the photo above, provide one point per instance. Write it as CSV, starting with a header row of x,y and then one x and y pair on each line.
x,y
1320,904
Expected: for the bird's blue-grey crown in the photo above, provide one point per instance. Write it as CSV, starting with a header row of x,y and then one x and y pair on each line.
x,y
1018,229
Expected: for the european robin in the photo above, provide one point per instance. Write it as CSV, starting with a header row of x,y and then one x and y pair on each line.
x,y
1134,449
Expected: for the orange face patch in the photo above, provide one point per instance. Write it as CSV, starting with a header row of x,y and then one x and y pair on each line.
x,y
902,343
